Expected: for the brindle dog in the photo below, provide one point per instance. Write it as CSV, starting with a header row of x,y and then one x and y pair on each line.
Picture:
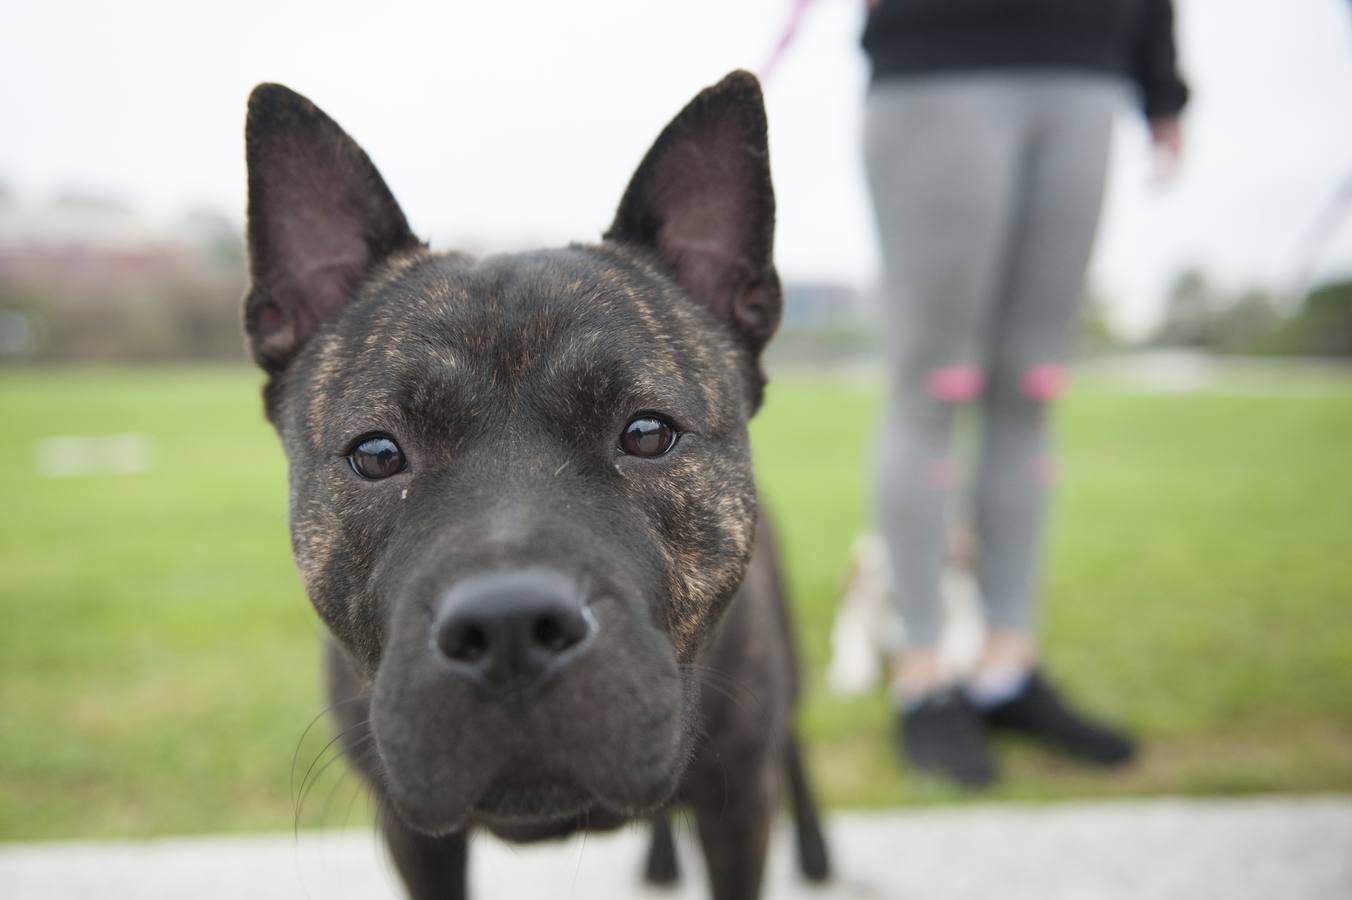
x,y
522,498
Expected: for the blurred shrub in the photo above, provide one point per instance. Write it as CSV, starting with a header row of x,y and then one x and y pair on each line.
x,y
1199,315
102,306
1322,326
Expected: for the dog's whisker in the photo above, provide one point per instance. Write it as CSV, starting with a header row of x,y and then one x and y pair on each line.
x,y
298,795
305,792
722,683
298,801
295,755
358,787
348,773
378,820
343,776
577,866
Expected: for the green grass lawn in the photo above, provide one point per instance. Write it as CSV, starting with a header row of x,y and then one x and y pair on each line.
x,y
158,661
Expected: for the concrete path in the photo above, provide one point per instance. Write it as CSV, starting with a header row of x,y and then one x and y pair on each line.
x,y
1288,848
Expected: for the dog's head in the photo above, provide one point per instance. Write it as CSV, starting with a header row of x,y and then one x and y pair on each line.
x,y
521,493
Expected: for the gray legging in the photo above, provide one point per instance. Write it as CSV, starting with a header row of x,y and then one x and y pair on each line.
x,y
987,189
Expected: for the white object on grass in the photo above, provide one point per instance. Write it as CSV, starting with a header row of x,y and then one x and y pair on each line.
x,y
868,627
63,456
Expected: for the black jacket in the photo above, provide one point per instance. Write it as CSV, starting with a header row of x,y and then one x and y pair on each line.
x,y
1131,37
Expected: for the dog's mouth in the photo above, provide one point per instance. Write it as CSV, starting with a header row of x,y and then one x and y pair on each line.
x,y
529,800
521,806
532,797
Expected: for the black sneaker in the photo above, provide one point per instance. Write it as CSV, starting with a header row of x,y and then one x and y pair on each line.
x,y
1039,712
944,735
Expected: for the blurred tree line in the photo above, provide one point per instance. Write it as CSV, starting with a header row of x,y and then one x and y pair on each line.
x,y
180,300
122,295
168,302
1199,315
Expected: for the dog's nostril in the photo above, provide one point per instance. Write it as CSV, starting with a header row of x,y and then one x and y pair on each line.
x,y
468,643
548,634
556,632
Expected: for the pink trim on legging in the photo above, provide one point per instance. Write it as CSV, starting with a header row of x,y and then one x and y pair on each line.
x,y
1044,381
955,384
940,473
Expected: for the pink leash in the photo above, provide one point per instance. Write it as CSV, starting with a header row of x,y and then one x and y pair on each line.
x,y
785,39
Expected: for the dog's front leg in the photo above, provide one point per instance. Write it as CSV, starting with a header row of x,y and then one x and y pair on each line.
x,y
433,868
734,831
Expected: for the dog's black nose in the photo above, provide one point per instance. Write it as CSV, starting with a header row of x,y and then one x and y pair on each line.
x,y
512,628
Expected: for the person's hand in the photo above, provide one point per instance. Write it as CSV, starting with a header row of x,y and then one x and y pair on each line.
x,y
1166,135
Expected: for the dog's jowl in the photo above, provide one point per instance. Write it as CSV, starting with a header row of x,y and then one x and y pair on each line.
x,y
522,499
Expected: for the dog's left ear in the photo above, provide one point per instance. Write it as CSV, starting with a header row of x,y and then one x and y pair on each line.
x,y
702,199
320,219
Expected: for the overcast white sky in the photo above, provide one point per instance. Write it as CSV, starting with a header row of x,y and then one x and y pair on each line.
x,y
503,124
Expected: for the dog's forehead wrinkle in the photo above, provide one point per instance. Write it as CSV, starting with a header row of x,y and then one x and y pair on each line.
x,y
588,344
513,307
715,351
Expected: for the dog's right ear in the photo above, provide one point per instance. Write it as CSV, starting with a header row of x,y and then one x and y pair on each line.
x,y
320,217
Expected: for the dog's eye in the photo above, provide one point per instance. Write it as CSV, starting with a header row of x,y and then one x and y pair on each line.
x,y
647,436
376,456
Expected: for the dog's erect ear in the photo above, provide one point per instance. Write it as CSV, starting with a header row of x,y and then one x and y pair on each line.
x,y
702,199
320,217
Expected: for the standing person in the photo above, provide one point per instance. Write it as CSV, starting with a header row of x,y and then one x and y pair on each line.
x,y
987,138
